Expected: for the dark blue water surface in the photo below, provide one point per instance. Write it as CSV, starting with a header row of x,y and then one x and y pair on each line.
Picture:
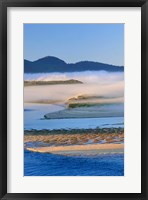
x,y
43,164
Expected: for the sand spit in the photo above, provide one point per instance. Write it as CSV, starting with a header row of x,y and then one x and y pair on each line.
x,y
84,112
97,148
53,82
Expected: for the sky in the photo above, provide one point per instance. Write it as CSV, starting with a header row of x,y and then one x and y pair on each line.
x,y
75,42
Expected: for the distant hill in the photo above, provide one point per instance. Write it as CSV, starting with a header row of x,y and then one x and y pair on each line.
x,y
52,64
35,83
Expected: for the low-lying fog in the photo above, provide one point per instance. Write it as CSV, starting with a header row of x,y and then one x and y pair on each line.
x,y
103,84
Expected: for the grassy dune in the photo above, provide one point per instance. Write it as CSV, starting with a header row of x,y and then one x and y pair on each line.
x,y
85,100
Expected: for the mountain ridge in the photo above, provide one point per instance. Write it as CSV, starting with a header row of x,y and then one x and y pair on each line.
x,y
51,64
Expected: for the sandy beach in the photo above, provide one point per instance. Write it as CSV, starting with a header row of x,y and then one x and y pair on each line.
x,y
83,141
99,148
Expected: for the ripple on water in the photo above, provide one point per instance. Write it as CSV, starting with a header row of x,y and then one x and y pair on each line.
x,y
37,164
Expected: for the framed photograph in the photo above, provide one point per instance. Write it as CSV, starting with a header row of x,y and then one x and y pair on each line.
x,y
73,99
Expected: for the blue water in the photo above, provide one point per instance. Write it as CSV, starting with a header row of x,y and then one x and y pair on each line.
x,y
42,164
33,115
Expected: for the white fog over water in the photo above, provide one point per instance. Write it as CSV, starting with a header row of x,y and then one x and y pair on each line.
x,y
95,83
101,77
103,86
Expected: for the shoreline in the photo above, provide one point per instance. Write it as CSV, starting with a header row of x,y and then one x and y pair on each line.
x,y
91,149
53,82
83,112
76,142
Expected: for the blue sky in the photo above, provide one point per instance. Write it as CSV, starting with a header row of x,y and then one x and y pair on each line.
x,y
75,42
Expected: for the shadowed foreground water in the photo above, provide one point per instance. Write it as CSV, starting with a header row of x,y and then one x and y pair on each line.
x,y
43,164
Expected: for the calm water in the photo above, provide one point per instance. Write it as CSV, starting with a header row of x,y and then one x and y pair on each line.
x,y
37,164
34,113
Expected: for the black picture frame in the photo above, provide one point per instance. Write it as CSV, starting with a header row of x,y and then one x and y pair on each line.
x,y
4,4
